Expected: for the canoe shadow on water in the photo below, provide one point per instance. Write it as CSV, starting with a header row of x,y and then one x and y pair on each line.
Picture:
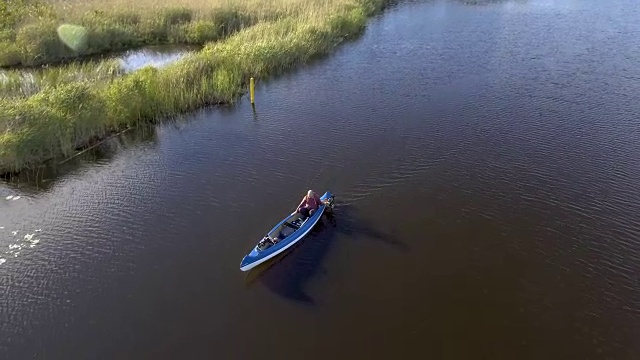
x,y
288,274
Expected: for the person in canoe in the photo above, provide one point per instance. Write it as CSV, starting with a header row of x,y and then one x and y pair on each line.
x,y
309,204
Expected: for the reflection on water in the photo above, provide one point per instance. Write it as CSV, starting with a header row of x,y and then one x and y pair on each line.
x,y
15,243
27,82
491,2
44,177
288,274
155,56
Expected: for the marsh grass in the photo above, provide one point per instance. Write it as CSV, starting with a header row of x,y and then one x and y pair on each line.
x,y
35,32
61,118
25,83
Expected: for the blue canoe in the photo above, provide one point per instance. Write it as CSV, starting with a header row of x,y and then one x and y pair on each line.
x,y
284,235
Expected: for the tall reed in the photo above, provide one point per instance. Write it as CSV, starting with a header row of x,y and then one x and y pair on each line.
x,y
35,32
25,83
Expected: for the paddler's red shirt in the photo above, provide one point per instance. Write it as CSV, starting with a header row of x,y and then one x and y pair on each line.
x,y
310,203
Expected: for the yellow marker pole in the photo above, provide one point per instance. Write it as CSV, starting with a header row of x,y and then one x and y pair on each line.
x,y
252,90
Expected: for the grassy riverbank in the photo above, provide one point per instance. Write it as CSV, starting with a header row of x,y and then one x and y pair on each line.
x,y
56,121
35,32
21,84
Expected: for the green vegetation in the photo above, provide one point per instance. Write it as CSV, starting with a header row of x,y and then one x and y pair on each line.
x,y
18,83
35,32
59,119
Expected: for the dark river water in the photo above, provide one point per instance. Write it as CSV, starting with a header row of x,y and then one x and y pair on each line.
x,y
486,164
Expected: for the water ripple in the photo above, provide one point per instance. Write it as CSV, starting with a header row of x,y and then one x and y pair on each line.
x,y
509,170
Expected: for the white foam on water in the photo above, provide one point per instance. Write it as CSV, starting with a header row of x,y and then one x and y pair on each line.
x,y
28,238
1,227
15,232
33,242
2,261
16,198
9,197
16,254
38,230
